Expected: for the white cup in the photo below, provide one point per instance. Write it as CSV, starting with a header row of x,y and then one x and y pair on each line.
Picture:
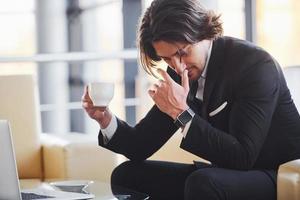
x,y
101,93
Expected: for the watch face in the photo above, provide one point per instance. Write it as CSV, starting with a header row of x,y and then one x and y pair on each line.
x,y
184,117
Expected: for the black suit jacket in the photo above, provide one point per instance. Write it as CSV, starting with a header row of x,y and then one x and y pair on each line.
x,y
259,128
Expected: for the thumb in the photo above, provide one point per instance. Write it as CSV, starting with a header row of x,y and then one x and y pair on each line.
x,y
185,80
151,93
86,95
86,90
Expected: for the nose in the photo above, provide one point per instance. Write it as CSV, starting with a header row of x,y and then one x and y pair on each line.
x,y
178,64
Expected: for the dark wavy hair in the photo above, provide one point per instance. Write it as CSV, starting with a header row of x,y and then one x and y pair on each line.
x,y
185,21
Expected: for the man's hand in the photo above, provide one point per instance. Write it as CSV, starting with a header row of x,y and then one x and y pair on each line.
x,y
101,114
169,96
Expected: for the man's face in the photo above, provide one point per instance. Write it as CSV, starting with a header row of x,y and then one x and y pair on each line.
x,y
181,56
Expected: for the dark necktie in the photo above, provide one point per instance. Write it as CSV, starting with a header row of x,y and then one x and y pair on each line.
x,y
194,103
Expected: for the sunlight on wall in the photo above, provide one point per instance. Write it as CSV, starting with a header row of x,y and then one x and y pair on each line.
x,y
17,35
233,17
19,68
278,29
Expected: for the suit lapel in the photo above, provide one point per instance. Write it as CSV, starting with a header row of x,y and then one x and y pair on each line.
x,y
214,70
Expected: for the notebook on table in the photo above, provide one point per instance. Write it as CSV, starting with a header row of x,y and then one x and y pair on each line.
x,y
9,180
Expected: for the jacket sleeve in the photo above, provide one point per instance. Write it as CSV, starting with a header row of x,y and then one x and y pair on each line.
x,y
141,141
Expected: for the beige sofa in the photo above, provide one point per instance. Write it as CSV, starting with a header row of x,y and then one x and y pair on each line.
x,y
77,156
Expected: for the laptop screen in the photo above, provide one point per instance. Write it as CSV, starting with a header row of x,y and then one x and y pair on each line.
x,y
9,181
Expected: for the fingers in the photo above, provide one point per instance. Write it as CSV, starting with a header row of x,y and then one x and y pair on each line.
x,y
165,75
85,93
152,90
185,80
151,93
86,89
86,101
85,97
87,105
155,88
159,84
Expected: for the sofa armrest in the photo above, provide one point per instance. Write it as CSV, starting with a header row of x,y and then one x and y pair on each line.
x,y
288,181
76,156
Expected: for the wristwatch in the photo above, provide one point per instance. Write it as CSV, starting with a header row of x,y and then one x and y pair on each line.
x,y
183,118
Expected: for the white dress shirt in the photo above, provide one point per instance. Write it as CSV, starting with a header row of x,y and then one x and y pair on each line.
x,y
200,89
110,130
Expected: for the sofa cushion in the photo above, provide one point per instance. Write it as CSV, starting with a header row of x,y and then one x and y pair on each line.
x,y
19,103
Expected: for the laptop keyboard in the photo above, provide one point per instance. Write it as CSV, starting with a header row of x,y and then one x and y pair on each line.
x,y
29,196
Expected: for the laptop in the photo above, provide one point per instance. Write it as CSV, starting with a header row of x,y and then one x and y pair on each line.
x,y
9,180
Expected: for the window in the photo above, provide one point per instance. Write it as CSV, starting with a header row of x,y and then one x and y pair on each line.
x,y
278,29
17,35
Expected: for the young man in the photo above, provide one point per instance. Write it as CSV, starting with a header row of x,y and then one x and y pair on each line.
x,y
228,98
